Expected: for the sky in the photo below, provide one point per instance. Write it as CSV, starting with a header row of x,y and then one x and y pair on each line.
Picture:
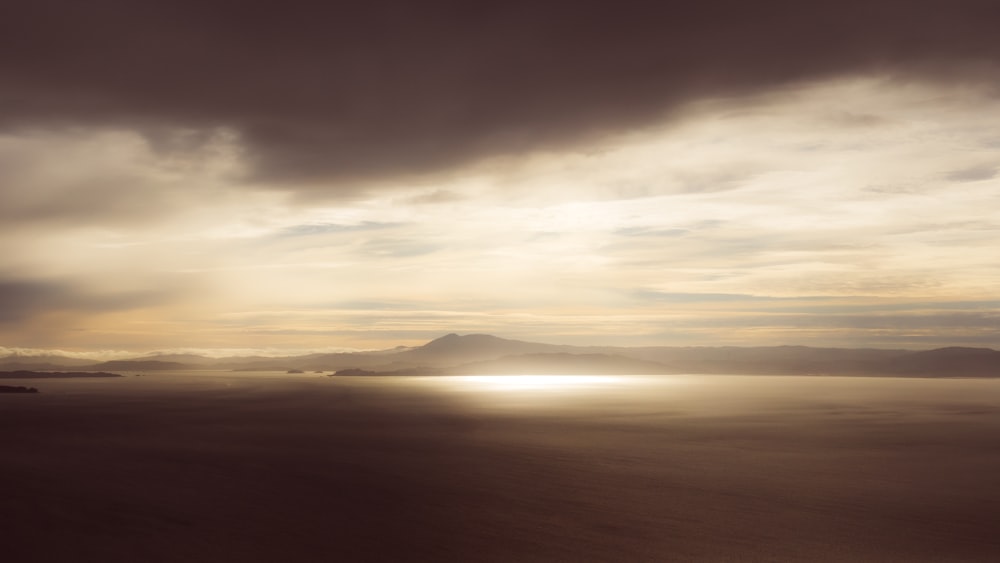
x,y
283,177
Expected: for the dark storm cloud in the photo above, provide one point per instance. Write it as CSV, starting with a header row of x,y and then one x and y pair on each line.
x,y
356,91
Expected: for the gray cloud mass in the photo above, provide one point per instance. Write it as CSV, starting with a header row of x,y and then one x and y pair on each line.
x,y
22,299
379,89
249,174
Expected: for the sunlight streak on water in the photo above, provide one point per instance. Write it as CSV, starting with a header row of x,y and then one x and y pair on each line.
x,y
536,382
550,390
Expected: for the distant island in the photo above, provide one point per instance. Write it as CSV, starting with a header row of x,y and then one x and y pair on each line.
x,y
485,354
140,365
25,374
17,389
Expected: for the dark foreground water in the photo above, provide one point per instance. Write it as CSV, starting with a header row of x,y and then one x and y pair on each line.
x,y
289,468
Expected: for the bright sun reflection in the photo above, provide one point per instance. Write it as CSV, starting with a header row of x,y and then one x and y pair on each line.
x,y
537,382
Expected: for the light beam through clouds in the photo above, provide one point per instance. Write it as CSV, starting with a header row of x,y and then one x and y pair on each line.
x,y
853,211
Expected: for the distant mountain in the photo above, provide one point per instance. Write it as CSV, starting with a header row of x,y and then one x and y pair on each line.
x,y
486,353
312,362
188,359
42,366
561,363
453,349
42,362
54,374
945,362
140,365
483,353
445,352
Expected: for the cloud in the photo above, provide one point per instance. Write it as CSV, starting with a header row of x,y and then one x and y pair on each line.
x,y
729,298
108,177
517,174
19,300
974,173
325,96
314,229
26,299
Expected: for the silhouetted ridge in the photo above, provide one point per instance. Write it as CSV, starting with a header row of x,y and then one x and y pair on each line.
x,y
958,351
140,365
453,353
22,374
49,362
454,341
454,348
17,389
955,361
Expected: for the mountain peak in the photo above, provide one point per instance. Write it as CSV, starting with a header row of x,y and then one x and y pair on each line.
x,y
453,339
470,347
450,337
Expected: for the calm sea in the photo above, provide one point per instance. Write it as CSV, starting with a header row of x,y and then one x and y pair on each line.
x,y
251,466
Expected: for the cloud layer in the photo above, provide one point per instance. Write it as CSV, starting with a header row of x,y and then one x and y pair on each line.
x,y
357,93
253,175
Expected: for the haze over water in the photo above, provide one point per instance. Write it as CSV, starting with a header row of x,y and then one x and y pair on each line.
x,y
275,467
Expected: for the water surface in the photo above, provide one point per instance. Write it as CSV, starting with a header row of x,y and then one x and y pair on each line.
x,y
214,466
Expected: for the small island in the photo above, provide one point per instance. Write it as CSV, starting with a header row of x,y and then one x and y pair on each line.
x,y
25,374
353,372
17,389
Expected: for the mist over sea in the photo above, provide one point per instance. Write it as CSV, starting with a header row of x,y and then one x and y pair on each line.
x,y
267,466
